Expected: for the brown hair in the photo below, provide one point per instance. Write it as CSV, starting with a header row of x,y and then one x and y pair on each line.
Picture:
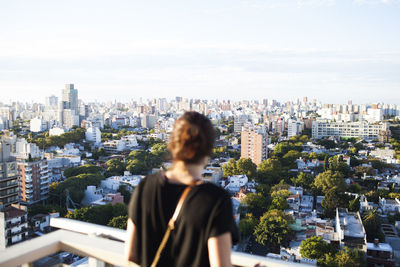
x,y
192,138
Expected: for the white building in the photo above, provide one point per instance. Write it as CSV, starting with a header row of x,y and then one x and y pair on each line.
x,y
70,118
149,121
13,225
389,155
364,130
92,193
41,222
130,140
295,128
374,115
114,182
114,146
351,230
23,149
38,125
235,182
93,134
389,205
56,131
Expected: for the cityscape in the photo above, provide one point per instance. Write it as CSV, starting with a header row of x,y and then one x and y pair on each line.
x,y
310,182
304,98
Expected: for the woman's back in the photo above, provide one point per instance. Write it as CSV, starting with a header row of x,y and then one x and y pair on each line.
x,y
207,212
205,228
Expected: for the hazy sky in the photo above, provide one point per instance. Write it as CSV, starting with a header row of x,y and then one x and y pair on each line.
x,y
228,49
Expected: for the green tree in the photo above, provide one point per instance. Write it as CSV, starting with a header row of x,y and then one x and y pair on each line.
x,y
280,193
137,166
269,171
76,186
354,205
360,170
242,166
314,248
304,180
372,225
256,203
229,169
88,168
115,167
328,180
338,165
247,167
273,228
289,159
98,214
349,258
247,225
330,202
280,186
118,222
279,203
355,188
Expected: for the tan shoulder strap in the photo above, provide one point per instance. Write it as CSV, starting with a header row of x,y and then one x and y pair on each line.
x,y
171,223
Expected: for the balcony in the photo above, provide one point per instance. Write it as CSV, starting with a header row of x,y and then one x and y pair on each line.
x,y
11,185
91,241
44,192
8,194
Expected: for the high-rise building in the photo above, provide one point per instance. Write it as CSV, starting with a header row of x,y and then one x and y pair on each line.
x,y
70,95
8,176
68,107
149,121
254,144
51,102
34,181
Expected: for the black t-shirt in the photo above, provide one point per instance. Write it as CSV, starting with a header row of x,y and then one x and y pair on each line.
x,y
207,212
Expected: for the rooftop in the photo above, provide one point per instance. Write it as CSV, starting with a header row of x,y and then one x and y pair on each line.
x,y
351,224
380,247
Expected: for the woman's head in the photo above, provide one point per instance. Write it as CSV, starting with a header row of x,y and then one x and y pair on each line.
x,y
192,138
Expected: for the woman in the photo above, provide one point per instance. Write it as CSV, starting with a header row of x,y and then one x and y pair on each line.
x,y
205,229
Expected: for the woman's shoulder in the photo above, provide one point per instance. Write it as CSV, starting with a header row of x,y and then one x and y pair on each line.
x,y
214,191
152,180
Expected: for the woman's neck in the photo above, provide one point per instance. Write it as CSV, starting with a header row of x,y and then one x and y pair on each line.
x,y
184,173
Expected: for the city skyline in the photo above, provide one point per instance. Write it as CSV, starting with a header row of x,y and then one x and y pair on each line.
x,y
330,50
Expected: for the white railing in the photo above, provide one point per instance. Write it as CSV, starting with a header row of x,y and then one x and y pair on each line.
x,y
86,239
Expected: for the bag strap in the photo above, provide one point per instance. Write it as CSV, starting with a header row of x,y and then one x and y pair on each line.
x,y
171,222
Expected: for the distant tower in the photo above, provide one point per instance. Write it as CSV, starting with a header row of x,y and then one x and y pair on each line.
x,y
51,101
70,96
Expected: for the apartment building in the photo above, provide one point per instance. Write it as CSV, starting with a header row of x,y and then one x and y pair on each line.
x,y
8,176
351,230
362,129
34,181
254,144
13,224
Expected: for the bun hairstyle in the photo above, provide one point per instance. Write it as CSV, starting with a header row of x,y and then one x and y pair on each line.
x,y
192,138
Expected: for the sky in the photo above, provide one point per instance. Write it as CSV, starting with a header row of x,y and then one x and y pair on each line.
x,y
330,50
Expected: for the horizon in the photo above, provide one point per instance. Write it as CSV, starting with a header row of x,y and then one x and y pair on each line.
x,y
330,49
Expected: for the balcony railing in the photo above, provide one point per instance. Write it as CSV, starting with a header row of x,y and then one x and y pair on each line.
x,y
101,244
